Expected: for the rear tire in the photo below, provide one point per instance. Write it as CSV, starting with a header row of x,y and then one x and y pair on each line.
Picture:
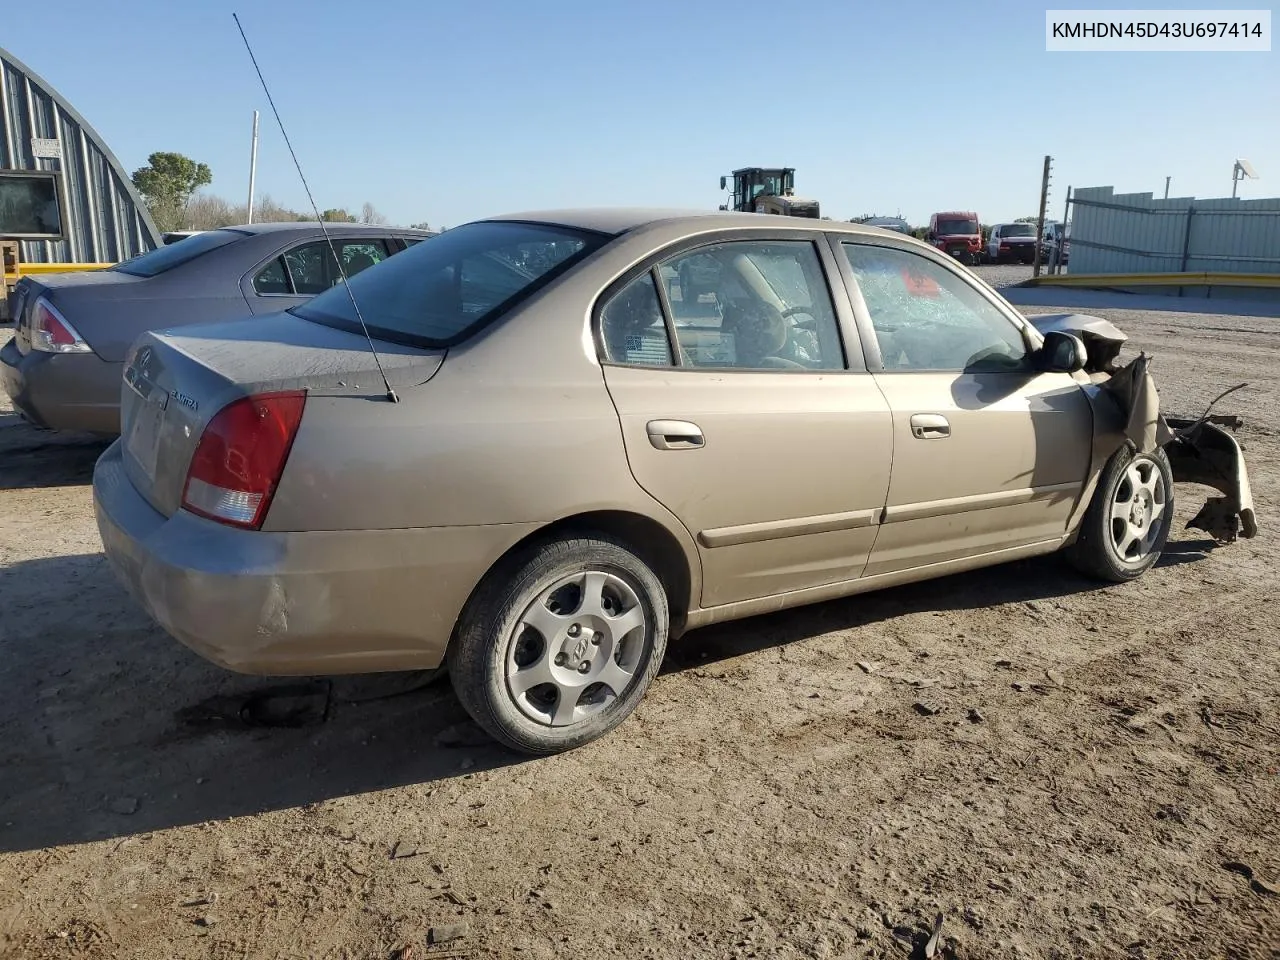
x,y
559,644
1127,524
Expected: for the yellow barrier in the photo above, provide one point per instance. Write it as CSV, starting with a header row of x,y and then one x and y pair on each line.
x,y
1158,280
27,269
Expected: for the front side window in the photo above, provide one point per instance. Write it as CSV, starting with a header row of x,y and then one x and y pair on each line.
x,y
360,255
742,305
433,294
927,318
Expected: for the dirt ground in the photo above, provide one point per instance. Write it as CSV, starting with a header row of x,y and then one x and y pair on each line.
x,y
1056,770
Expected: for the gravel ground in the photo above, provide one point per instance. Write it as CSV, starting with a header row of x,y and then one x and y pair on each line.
x,y
1056,770
1003,275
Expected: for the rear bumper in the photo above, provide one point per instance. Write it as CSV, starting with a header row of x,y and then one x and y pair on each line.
x,y
289,604
63,391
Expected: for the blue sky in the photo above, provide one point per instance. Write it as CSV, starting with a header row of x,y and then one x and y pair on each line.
x,y
448,111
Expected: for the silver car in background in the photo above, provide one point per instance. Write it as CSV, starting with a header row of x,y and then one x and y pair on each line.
x,y
62,367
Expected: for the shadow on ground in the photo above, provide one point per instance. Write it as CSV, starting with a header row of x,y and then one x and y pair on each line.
x,y
108,728
31,458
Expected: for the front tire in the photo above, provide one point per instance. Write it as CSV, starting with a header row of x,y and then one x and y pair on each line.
x,y
1127,525
559,644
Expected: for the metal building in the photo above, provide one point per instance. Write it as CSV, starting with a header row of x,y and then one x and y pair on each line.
x,y
1127,233
63,195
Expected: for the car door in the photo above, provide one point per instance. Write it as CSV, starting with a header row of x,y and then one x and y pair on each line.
x,y
993,243
990,453
305,268
739,415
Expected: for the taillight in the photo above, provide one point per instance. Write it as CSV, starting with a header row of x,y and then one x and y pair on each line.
x,y
51,333
240,458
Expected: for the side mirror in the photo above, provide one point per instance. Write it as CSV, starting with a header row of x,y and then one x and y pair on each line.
x,y
1063,352
722,182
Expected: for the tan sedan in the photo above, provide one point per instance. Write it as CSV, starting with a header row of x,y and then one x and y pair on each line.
x,y
537,447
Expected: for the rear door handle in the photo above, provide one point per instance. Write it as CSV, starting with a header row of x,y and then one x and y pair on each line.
x,y
930,426
674,434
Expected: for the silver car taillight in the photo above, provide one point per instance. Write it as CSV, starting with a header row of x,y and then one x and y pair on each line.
x,y
51,332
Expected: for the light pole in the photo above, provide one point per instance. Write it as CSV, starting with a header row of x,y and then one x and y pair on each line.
x,y
253,165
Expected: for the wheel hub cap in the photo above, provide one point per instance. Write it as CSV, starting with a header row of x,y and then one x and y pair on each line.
x,y
576,647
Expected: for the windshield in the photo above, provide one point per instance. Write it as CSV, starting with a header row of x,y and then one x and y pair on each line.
x,y
957,227
434,294
175,254
1018,230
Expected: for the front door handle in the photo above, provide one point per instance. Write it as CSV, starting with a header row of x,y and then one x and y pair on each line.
x,y
674,434
930,426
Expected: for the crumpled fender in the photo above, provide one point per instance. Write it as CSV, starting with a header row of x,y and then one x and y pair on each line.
x,y
1199,451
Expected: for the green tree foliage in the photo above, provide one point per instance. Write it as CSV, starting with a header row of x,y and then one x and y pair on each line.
x,y
336,215
167,183
1027,220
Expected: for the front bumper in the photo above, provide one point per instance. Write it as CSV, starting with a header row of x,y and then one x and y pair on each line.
x,y
290,604
1022,252
62,391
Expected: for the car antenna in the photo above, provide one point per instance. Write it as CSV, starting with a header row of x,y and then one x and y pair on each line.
x,y
342,271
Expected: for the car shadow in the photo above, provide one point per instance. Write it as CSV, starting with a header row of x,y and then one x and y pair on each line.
x,y
109,728
31,458
1040,578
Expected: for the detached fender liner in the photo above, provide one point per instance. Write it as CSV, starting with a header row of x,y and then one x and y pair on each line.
x,y
1205,453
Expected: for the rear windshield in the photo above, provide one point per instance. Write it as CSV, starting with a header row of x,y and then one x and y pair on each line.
x,y
175,254
1018,230
434,294
955,227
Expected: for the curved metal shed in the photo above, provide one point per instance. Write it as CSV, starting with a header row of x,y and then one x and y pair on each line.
x,y
104,218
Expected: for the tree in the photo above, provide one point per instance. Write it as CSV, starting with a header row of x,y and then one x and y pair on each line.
x,y
167,183
369,214
420,226
337,215
1027,220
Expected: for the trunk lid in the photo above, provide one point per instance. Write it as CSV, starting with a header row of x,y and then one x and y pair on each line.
x,y
75,295
175,382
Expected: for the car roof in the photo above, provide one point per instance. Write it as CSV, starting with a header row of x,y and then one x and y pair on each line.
x,y
619,220
285,226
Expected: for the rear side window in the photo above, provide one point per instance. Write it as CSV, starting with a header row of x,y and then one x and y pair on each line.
x,y
436,293
310,269
632,326
740,305
175,254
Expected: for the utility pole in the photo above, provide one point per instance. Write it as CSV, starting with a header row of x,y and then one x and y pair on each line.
x,y
253,165
1044,203
1055,265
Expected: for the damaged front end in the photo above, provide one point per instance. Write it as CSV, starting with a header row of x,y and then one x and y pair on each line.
x,y
1199,451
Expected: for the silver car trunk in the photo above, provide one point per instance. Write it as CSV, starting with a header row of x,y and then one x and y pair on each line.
x,y
176,382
